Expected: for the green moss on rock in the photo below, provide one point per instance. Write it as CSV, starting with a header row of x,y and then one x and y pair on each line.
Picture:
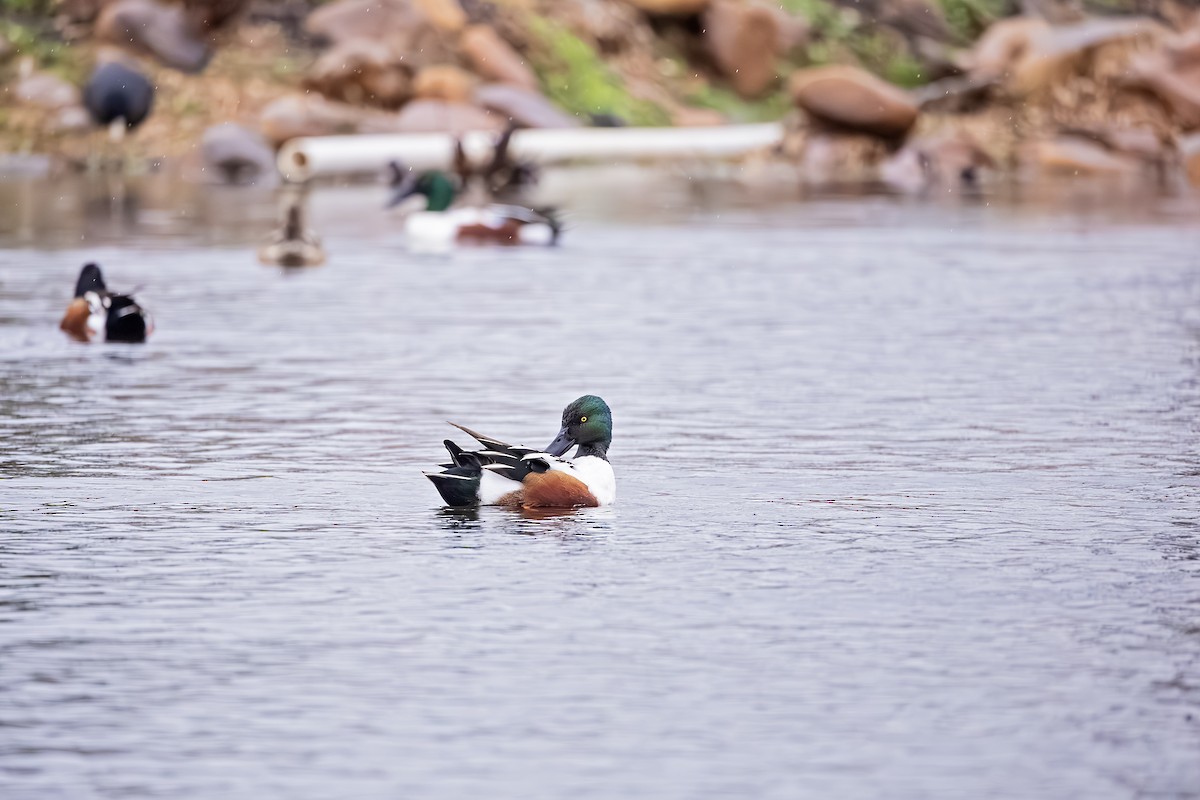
x,y
574,76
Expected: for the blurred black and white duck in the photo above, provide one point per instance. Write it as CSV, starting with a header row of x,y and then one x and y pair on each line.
x,y
96,314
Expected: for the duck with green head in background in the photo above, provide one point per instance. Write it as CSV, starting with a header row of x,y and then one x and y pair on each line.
x,y
444,217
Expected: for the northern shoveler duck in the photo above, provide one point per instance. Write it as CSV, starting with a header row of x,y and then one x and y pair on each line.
x,y
291,245
100,315
521,477
479,219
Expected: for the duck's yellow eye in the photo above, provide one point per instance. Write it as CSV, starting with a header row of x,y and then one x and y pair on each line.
x,y
583,419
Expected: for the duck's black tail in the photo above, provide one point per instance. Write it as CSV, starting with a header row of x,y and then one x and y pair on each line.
x,y
126,320
553,218
458,483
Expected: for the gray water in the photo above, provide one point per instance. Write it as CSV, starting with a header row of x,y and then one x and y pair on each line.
x,y
907,507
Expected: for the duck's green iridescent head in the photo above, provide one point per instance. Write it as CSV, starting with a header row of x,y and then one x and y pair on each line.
x,y
435,186
587,423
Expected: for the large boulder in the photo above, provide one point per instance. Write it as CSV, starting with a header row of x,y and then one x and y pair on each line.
x,y
1058,52
853,99
165,32
526,108
494,59
438,116
420,33
237,155
745,41
362,72
444,82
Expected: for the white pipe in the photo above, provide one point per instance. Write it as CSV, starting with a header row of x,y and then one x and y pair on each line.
x,y
302,159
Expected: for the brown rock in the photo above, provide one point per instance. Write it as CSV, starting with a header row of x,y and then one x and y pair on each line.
x,y
527,108
362,72
672,8
1057,52
744,41
446,15
494,59
164,32
438,116
853,98
1002,45
313,115
444,82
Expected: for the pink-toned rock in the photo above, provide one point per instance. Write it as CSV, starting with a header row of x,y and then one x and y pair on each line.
x,y
1189,149
236,155
527,108
685,117
743,40
1003,44
946,163
444,82
670,8
438,116
312,115
494,59
839,159
362,72
852,98
70,119
402,25
1071,156
43,90
164,32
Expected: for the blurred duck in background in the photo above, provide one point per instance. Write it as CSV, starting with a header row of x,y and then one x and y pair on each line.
x,y
291,244
464,206
117,97
96,314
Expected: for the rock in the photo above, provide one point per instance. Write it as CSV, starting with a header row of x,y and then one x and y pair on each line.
x,y
1057,52
1002,45
1175,82
494,59
744,41
611,27
946,163
831,159
6,49
437,116
362,72
670,8
70,119
211,15
1072,156
853,98
406,27
444,82
446,15
684,117
237,155
164,32
527,108
313,115
1189,149
43,90
914,18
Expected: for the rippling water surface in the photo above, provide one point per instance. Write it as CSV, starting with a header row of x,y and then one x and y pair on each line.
x,y
907,507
